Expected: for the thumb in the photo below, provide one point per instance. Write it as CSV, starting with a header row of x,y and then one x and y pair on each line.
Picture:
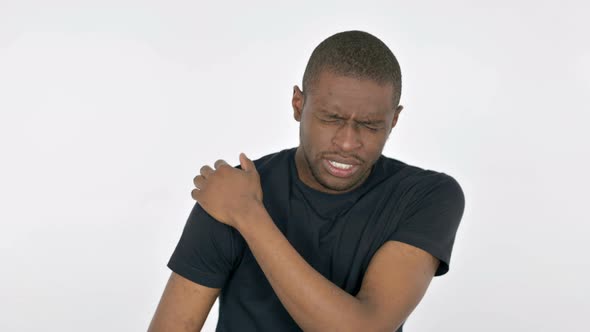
x,y
247,164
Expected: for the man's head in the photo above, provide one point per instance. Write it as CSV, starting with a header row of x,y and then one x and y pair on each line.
x,y
347,109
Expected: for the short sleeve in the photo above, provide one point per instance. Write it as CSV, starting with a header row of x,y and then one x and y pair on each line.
x,y
205,253
432,219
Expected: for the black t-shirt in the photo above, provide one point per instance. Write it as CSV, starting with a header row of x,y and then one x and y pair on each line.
x,y
337,234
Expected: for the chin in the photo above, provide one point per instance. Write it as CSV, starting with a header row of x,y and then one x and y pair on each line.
x,y
330,182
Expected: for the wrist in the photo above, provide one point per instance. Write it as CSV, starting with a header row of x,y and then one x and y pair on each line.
x,y
253,211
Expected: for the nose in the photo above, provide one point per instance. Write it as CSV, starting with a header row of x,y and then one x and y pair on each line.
x,y
347,138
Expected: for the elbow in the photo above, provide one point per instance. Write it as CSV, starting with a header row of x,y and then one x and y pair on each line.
x,y
371,321
373,326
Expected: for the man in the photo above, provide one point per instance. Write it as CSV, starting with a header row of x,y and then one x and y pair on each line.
x,y
330,236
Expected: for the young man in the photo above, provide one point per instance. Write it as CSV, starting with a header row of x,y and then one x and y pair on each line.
x,y
328,236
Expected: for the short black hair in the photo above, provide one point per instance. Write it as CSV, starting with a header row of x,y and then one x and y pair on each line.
x,y
357,54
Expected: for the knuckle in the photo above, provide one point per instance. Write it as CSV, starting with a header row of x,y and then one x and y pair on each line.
x,y
223,168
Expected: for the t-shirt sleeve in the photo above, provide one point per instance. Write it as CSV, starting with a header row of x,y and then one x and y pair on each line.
x,y
205,252
432,219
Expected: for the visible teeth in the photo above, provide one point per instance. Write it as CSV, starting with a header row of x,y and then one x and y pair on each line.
x,y
339,165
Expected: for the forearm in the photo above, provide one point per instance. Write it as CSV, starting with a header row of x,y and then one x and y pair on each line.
x,y
313,301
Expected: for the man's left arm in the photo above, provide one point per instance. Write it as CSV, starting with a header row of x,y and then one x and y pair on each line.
x,y
394,283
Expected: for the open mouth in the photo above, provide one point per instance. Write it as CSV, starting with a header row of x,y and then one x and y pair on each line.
x,y
340,170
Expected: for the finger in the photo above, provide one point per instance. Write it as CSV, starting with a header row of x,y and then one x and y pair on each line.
x,y
206,171
200,182
246,163
220,163
195,194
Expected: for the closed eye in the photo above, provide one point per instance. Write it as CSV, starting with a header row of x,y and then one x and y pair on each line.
x,y
331,121
371,125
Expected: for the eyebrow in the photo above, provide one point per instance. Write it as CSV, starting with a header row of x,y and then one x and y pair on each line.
x,y
338,116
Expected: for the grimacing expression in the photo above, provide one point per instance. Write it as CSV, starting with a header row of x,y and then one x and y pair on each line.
x,y
344,124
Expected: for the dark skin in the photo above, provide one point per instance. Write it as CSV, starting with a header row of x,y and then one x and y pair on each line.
x,y
347,120
398,274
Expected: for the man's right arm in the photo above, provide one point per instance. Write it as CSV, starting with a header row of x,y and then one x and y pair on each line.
x,y
184,306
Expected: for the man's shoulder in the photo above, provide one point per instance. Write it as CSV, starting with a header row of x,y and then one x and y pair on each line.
x,y
273,160
416,175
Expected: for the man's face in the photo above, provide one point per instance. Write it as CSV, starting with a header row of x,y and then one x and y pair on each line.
x,y
344,124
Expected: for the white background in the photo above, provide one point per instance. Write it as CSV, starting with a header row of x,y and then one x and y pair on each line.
x,y
109,108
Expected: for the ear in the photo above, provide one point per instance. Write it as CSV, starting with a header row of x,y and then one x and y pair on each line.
x,y
397,111
297,103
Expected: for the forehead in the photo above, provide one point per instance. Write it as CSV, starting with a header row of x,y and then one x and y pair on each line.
x,y
350,95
